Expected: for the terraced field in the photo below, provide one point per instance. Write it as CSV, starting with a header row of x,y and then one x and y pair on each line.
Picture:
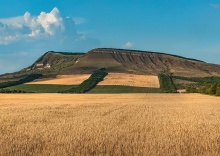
x,y
109,124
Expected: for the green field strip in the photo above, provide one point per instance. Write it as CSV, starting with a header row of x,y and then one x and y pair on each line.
x,y
122,89
41,88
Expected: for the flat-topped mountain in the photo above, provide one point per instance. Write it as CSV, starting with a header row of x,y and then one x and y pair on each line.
x,y
120,60
143,62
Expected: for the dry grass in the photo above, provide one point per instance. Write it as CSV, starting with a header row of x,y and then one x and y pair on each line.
x,y
64,80
131,80
123,124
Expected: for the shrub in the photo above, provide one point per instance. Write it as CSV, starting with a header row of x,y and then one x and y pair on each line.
x,y
166,83
211,89
202,80
201,90
218,90
191,90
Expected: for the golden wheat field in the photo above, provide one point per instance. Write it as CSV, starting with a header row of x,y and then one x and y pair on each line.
x,y
131,80
109,124
111,79
63,79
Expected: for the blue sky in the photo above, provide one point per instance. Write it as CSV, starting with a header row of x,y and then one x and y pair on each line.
x,y
28,29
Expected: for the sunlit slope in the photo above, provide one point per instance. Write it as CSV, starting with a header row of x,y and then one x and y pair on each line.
x,y
124,79
63,80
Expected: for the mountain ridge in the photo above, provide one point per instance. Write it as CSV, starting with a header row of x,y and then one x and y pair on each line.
x,y
141,51
119,60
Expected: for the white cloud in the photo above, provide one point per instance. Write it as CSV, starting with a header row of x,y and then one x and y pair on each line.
x,y
51,22
29,27
37,34
44,26
215,6
13,21
128,45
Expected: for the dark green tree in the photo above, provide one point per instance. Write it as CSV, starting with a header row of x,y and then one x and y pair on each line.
x,y
218,89
211,89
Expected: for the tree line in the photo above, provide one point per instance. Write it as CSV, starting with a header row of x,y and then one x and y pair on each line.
x,y
208,88
166,83
7,91
27,79
90,83
200,80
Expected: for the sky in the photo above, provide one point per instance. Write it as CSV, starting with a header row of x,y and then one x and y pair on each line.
x,y
28,29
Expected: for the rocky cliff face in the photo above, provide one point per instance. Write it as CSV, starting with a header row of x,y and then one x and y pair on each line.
x,y
146,63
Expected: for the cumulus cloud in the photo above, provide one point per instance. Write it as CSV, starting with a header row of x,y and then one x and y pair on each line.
x,y
128,45
52,22
30,27
44,26
36,34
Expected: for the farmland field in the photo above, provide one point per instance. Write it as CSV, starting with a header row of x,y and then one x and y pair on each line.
x,y
63,80
124,79
109,124
52,88
121,79
123,89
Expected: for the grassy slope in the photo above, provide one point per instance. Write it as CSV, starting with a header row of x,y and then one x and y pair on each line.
x,y
41,88
123,89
